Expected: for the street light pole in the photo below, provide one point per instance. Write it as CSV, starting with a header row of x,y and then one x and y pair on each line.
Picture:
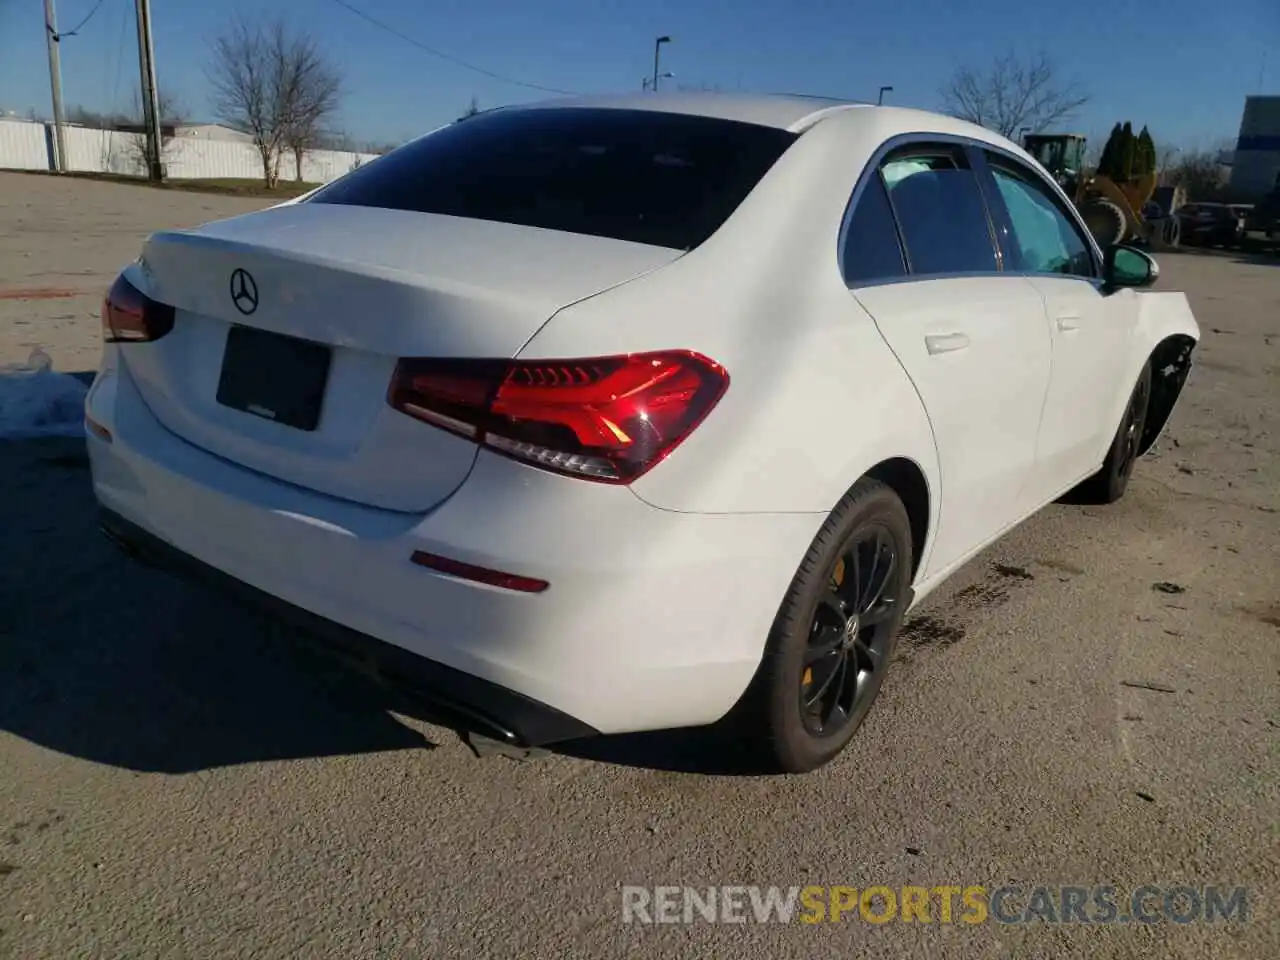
x,y
657,52
883,91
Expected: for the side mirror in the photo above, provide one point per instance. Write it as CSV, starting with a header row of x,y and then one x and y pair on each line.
x,y
1129,267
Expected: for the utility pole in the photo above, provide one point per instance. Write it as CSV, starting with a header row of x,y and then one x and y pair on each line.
x,y
55,82
883,91
150,96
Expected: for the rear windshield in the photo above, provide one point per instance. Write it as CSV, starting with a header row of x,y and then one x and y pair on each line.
x,y
657,178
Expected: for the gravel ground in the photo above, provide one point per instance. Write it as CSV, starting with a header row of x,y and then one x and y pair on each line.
x,y
175,780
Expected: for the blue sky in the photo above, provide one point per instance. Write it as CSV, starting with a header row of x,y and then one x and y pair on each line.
x,y
1181,66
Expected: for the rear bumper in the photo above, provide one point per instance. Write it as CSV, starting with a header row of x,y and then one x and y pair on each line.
x,y
480,705
653,619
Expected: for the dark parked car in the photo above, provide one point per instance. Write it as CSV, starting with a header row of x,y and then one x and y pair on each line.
x,y
1262,224
1211,224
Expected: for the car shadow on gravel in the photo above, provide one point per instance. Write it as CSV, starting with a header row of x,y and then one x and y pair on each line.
x,y
711,751
106,660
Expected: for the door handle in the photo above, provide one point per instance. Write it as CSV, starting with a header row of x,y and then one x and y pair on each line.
x,y
1068,323
946,342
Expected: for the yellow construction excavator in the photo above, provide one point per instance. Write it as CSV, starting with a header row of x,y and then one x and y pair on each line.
x,y
1113,212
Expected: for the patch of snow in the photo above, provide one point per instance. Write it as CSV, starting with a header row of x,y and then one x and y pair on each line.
x,y
37,401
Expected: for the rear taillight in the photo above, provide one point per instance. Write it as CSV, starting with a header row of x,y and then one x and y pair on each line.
x,y
603,418
130,316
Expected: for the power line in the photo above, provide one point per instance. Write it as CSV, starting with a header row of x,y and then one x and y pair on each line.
x,y
76,29
444,56
113,102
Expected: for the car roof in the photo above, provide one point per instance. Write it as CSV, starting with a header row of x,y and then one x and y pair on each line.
x,y
795,112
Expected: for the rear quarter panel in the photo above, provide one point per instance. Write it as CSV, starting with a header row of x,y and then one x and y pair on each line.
x,y
815,398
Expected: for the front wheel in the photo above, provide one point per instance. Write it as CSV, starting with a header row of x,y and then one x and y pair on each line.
x,y
834,634
1110,483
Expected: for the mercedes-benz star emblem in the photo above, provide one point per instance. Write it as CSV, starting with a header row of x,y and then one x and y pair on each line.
x,y
244,291
851,630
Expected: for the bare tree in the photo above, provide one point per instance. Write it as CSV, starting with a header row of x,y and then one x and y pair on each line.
x,y
472,109
315,91
92,118
1197,167
1199,173
1166,159
135,144
275,85
1013,93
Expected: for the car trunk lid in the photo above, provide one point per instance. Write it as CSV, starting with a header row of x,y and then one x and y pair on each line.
x,y
289,323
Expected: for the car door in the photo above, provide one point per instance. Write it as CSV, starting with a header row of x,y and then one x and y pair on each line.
x,y
973,340
1091,330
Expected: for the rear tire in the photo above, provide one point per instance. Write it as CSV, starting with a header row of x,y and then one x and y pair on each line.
x,y
849,595
1110,483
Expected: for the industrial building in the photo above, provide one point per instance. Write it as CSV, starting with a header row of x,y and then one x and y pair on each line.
x,y
1255,169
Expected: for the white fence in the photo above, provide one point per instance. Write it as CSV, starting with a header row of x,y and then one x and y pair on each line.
x,y
23,146
30,146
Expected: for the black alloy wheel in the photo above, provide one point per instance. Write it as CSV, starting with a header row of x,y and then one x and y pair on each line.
x,y
833,637
851,634
1135,421
1110,483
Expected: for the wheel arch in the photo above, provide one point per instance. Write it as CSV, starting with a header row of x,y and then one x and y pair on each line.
x,y
1170,365
906,479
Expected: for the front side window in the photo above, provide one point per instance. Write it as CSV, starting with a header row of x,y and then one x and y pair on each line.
x,y
639,175
940,211
1045,238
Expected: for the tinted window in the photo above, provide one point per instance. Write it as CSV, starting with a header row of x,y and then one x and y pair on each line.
x,y
1045,240
940,213
656,178
871,250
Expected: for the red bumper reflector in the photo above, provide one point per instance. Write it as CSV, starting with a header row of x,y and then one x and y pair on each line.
x,y
466,571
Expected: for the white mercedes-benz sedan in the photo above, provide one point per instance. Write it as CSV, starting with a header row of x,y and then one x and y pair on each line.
x,y
630,413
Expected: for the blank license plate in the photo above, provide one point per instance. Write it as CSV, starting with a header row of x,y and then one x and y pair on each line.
x,y
275,377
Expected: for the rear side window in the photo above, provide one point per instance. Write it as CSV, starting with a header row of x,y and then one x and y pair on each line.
x,y
871,249
657,178
940,212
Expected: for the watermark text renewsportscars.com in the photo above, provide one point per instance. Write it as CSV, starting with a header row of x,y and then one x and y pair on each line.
x,y
969,905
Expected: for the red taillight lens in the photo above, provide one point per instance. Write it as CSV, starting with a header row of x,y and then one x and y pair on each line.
x,y
129,316
603,418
